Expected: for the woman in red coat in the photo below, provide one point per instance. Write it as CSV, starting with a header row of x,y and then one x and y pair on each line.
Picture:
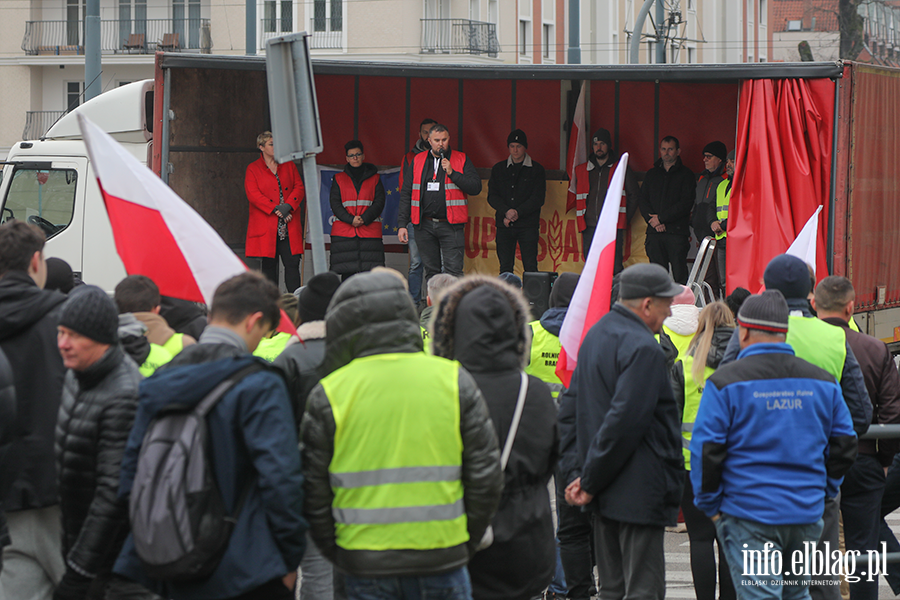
x,y
275,229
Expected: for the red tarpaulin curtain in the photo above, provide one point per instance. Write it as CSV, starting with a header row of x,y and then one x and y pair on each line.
x,y
782,173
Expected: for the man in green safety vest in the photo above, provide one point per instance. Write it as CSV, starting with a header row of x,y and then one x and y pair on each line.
x,y
139,295
545,334
400,457
719,225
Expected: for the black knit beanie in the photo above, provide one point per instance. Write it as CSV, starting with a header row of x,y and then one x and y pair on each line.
x,y
563,289
92,313
717,149
602,135
789,275
517,136
315,296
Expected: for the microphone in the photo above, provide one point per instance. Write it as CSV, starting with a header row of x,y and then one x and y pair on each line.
x,y
442,155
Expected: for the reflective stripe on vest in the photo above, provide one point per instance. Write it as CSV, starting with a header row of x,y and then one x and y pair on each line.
x,y
456,200
406,495
174,344
583,189
722,199
158,357
356,204
544,353
692,395
818,342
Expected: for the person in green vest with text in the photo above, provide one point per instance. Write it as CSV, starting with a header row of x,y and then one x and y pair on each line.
x,y
139,295
400,457
826,347
700,359
545,334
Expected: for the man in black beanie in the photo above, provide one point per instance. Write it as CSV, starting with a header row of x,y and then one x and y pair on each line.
x,y
708,181
591,182
516,192
99,400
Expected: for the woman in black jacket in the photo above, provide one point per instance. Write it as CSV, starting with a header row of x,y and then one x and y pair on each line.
x,y
483,323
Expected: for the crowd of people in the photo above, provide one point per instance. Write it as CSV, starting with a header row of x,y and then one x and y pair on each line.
x,y
151,448
435,184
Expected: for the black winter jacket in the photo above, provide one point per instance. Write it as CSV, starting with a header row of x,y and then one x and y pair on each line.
x,y
95,419
7,423
524,192
28,319
482,323
669,195
626,444
356,254
300,364
705,200
372,314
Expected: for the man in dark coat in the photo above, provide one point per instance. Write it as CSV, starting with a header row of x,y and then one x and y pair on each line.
x,y
253,445
667,196
714,155
627,437
7,422
99,400
864,483
28,319
516,192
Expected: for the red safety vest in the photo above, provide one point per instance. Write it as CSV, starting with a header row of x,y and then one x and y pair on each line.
x,y
457,201
356,204
583,188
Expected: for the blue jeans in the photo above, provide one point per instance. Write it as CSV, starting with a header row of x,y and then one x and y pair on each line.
x,y
454,585
415,266
733,533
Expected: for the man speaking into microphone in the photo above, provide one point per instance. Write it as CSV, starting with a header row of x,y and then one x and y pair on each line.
x,y
434,199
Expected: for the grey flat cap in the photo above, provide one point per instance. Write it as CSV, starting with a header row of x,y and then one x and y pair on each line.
x,y
647,279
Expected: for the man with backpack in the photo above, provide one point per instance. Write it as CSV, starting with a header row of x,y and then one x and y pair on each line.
x,y
254,467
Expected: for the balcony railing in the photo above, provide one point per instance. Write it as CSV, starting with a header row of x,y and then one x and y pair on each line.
x,y
123,36
459,36
37,122
324,35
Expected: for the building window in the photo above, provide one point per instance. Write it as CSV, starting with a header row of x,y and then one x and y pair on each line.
x,y
523,37
493,12
186,22
278,16
691,55
548,33
762,13
474,10
127,26
794,25
328,15
74,92
75,10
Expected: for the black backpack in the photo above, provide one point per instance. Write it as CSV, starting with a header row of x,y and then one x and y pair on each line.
x,y
178,519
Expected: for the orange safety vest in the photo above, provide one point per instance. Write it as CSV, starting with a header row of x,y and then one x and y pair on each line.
x,y
583,188
356,204
457,201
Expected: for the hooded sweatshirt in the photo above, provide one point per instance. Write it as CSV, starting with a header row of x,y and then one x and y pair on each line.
x,y
28,319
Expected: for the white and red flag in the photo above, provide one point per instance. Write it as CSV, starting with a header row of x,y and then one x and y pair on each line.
x,y
577,153
158,234
592,294
804,247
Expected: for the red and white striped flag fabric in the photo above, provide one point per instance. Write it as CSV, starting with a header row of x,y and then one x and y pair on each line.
x,y
577,153
158,234
592,294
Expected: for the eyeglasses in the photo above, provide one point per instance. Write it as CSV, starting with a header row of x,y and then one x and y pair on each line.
x,y
357,155
707,156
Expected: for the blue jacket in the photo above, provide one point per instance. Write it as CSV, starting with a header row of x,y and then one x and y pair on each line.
x,y
626,423
772,433
853,384
254,443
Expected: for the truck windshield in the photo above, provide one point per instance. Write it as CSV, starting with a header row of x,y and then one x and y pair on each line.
x,y
42,197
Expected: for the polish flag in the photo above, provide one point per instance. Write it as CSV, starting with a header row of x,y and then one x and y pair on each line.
x,y
577,148
804,247
157,233
591,298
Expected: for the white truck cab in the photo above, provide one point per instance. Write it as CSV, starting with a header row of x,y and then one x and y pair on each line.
x,y
50,182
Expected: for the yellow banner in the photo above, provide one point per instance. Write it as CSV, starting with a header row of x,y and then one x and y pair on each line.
x,y
560,245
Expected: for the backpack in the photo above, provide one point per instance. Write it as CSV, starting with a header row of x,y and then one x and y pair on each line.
x,y
179,523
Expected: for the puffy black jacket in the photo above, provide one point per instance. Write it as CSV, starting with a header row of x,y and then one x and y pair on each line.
x,y
28,319
300,364
483,323
95,419
372,314
356,254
